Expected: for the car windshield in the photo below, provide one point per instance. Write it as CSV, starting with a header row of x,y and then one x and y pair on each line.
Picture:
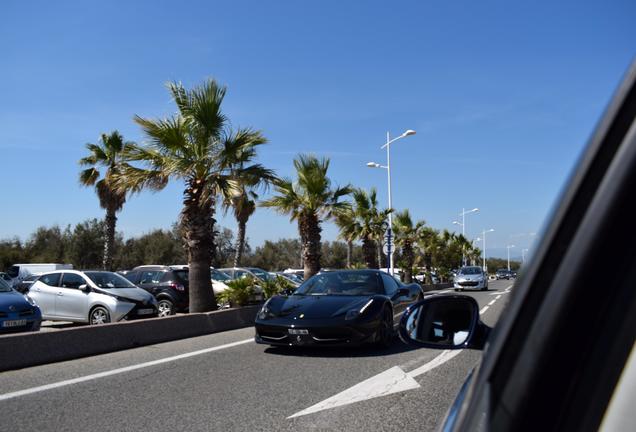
x,y
342,283
219,276
261,274
470,271
108,280
4,287
13,271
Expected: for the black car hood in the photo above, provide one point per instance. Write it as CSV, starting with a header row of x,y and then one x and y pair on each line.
x,y
315,306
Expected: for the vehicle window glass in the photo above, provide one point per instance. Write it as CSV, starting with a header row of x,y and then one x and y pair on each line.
x,y
51,279
220,276
108,280
390,285
149,277
182,275
4,287
342,283
240,274
72,280
132,276
14,271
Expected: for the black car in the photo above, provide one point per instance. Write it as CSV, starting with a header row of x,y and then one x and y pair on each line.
x,y
337,308
503,274
561,357
168,284
25,284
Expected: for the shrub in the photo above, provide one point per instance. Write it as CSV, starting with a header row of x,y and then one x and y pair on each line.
x,y
276,286
238,292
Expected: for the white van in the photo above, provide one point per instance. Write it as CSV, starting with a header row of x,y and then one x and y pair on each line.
x,y
18,272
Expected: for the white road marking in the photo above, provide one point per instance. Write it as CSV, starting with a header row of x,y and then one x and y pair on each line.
x,y
492,302
390,381
446,291
484,309
118,371
498,297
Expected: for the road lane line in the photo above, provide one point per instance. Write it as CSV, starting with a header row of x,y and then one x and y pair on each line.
x,y
445,356
498,297
492,302
484,309
118,371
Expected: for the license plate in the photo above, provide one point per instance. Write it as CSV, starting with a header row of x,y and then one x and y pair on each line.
x,y
298,332
14,323
145,311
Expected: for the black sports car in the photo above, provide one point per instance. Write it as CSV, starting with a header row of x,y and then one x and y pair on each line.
x,y
337,308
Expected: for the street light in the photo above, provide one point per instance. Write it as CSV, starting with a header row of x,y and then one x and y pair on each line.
x,y
483,236
509,247
389,230
463,225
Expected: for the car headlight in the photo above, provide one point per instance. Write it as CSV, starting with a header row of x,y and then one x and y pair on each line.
x,y
354,313
265,311
30,300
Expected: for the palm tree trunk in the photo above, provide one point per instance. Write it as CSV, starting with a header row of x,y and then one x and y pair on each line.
x,y
309,229
240,242
349,252
198,221
409,259
109,238
369,252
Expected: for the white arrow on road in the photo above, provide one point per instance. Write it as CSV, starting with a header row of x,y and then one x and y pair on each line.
x,y
390,381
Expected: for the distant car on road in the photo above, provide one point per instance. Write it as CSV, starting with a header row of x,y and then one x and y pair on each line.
x,y
17,311
337,308
503,274
94,297
472,278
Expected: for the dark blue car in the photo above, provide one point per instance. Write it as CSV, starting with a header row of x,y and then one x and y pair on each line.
x,y
17,311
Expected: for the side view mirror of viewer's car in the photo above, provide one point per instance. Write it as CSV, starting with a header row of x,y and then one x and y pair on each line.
x,y
444,322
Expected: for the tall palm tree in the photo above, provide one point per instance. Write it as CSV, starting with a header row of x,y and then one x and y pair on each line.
x,y
191,146
107,153
240,149
309,200
406,236
368,223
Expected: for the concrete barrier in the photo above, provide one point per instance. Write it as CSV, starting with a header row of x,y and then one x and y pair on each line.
x,y
32,349
435,287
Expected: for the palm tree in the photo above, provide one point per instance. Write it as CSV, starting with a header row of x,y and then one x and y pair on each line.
x,y
240,150
108,153
192,146
406,236
367,223
309,200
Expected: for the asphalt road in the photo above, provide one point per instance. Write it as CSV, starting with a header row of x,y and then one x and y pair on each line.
x,y
226,382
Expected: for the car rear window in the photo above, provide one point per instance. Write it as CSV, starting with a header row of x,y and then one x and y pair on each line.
x,y
182,275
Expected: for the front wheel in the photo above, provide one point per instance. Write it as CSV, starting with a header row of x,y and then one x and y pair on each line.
x,y
165,307
385,330
99,315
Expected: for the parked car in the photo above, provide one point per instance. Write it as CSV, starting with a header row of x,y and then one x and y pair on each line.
x,y
17,311
18,272
24,286
472,278
337,308
291,277
562,356
258,274
169,285
94,297
298,272
5,277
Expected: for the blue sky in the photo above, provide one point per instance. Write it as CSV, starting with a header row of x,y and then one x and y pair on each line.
x,y
503,97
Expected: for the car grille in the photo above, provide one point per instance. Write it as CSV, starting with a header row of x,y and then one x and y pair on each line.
x,y
27,312
469,283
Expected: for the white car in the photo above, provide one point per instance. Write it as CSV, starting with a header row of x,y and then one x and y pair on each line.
x,y
94,297
471,278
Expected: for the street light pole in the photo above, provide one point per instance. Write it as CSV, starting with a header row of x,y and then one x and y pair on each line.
x,y
483,236
508,247
463,225
389,230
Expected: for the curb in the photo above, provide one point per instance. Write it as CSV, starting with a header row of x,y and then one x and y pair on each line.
x,y
32,349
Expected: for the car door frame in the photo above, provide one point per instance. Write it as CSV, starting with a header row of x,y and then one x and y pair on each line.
x,y
541,371
75,297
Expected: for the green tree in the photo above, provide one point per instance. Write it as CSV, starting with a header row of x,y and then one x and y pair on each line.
x,y
240,150
406,236
367,223
86,245
108,153
190,146
309,200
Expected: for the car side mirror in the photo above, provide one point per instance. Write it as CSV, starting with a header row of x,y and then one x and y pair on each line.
x,y
444,322
84,287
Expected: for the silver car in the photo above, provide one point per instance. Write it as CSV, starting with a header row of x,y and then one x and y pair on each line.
x,y
94,297
471,277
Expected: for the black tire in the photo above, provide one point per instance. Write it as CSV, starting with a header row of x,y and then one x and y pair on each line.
x,y
98,315
385,330
165,307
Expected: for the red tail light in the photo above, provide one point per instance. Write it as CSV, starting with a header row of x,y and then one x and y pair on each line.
x,y
178,287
